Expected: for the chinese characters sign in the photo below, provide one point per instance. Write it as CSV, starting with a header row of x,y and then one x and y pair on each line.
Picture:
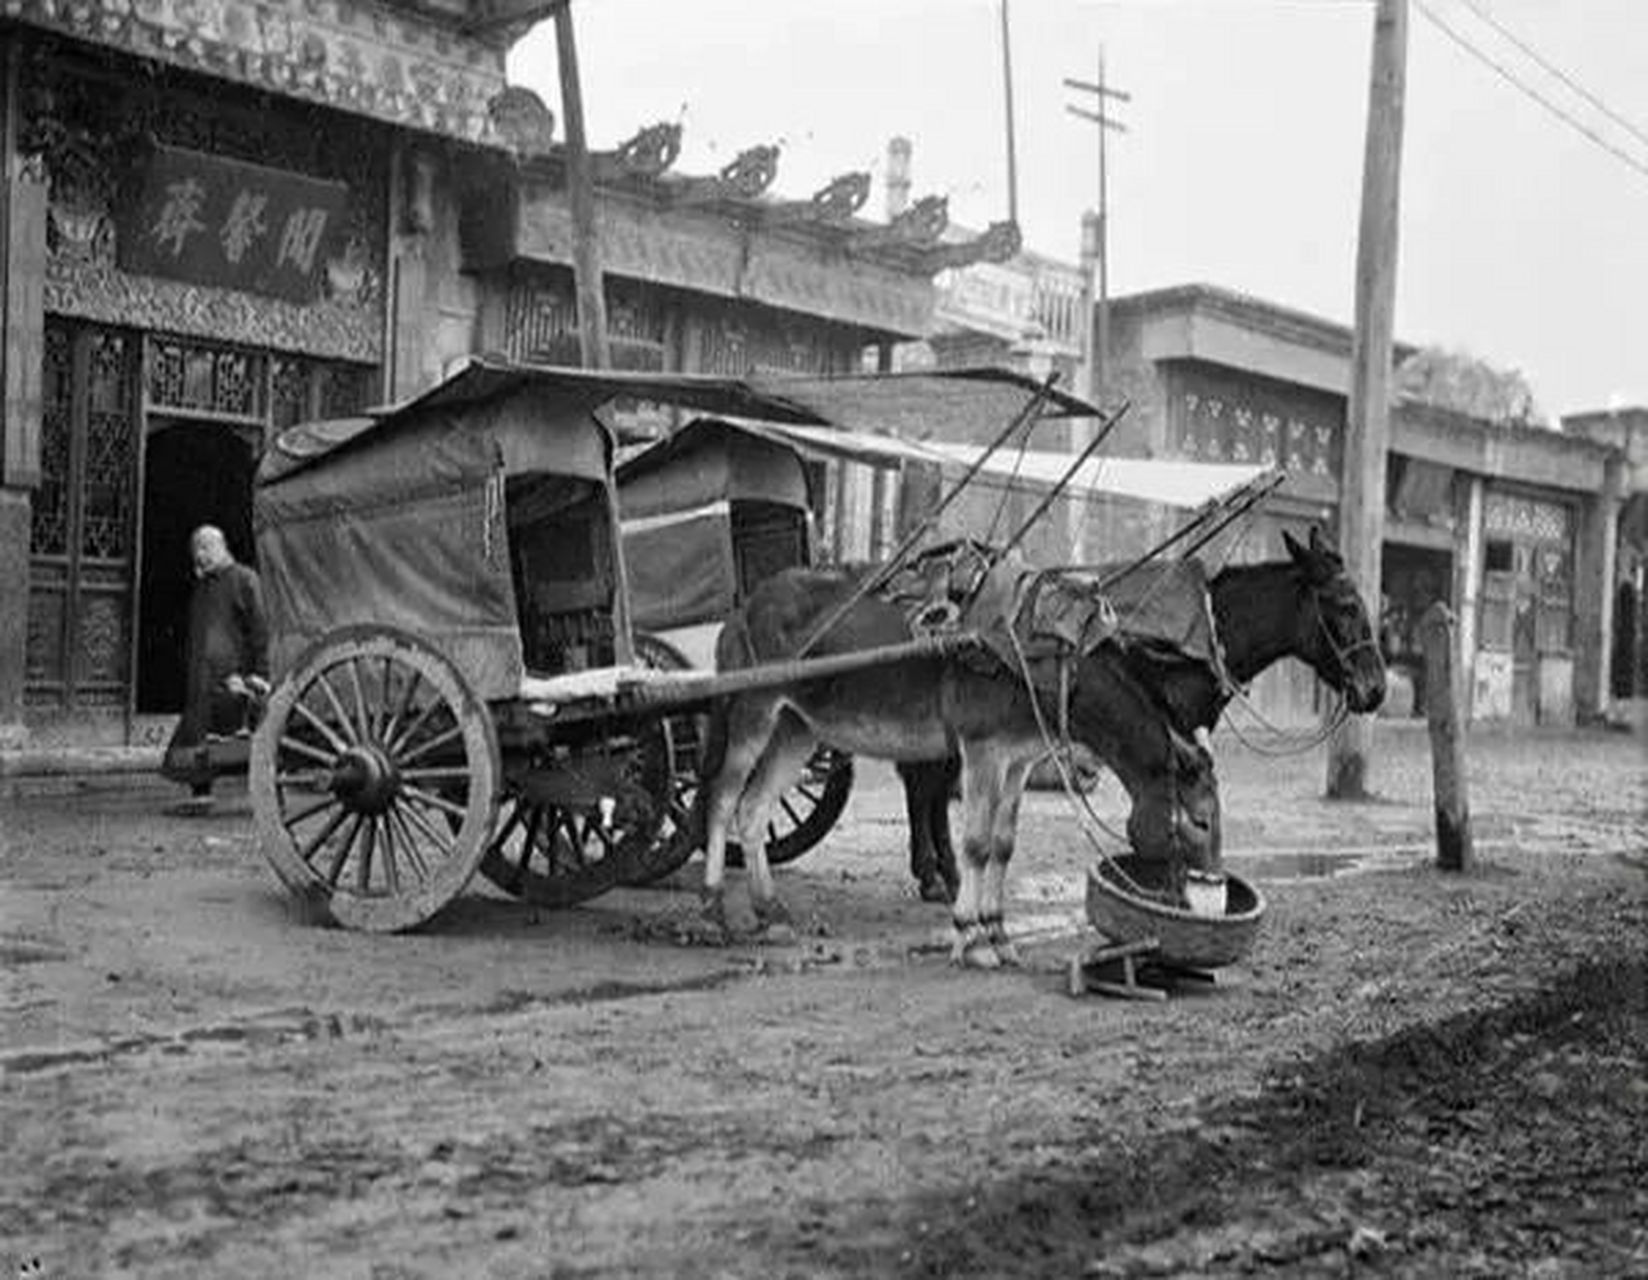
x,y
207,220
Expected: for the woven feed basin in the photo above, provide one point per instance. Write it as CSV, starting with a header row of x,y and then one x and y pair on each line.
x,y
1122,913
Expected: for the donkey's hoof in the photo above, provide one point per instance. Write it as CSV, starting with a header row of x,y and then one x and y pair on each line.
x,y
973,950
712,915
1006,951
933,889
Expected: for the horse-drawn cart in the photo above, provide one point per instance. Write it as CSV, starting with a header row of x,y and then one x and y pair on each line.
x,y
458,687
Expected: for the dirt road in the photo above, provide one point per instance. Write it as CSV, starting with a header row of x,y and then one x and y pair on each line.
x,y
1412,1074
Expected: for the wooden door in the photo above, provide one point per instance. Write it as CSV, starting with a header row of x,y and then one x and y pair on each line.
x,y
83,523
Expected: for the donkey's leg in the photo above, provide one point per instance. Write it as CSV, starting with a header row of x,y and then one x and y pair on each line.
x,y
1003,836
789,746
938,821
980,793
749,724
926,794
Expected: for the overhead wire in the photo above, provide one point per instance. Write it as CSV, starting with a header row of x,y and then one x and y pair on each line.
x,y
1510,77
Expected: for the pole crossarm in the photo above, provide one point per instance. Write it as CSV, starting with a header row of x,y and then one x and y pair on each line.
x,y
1096,118
1103,90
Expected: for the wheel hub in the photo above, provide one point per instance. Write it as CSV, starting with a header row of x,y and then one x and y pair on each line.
x,y
366,780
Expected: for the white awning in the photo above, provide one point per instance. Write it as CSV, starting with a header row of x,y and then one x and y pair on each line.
x,y
1170,482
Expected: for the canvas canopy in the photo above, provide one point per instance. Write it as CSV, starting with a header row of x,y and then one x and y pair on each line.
x,y
400,516
677,501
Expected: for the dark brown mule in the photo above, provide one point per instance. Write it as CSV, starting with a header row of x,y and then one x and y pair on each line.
x,y
930,709
1304,607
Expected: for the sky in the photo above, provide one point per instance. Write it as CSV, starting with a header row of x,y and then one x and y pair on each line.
x,y
1521,241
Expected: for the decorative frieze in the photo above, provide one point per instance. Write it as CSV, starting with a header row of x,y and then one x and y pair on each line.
x,y
392,64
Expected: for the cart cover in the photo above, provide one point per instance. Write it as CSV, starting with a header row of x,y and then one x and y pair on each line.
x,y
676,501
400,520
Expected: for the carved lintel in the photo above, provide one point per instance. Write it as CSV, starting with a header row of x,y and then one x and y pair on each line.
x,y
1000,241
648,153
748,174
921,224
831,205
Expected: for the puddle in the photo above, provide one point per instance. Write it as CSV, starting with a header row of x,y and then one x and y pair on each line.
x,y
1297,866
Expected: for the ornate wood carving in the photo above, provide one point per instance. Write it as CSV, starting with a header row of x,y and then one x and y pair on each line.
x,y
647,154
921,224
1000,241
749,173
388,62
830,205
522,122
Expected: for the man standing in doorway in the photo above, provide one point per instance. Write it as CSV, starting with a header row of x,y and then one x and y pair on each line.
x,y
228,664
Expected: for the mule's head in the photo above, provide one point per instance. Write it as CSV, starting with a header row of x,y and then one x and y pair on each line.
x,y
1337,637
1169,776
1175,818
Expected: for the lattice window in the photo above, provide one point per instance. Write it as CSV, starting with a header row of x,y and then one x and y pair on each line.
x,y
345,389
111,449
201,379
288,392
49,529
540,320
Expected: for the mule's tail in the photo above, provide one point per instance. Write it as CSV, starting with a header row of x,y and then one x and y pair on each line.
x,y
733,651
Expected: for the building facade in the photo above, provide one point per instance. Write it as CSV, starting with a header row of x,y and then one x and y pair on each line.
x,y
222,218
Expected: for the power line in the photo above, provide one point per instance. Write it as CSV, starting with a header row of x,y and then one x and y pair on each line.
x,y
1510,78
1561,75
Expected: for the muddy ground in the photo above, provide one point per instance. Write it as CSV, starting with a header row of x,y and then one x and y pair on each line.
x,y
1413,1074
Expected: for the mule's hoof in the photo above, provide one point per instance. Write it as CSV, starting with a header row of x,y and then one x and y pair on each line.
x,y
973,951
1008,954
935,890
712,914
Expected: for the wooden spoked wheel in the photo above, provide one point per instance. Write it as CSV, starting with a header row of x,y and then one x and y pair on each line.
x,y
581,820
804,813
373,780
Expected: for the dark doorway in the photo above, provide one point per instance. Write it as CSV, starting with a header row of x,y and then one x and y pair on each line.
x,y
1626,658
194,474
1412,579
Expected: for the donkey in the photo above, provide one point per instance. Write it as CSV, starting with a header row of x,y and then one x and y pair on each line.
x,y
930,709
1303,607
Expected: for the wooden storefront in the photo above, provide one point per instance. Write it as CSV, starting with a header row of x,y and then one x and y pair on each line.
x,y
205,222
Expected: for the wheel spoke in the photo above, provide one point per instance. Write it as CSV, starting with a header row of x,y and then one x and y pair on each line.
x,y
424,748
435,774
442,843
386,850
508,829
337,707
807,791
784,803
326,802
369,843
363,720
409,843
394,719
535,818
434,801
407,734
315,753
335,871
307,853
305,779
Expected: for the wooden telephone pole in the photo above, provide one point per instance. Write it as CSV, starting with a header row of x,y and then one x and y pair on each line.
x,y
580,180
1097,325
1367,421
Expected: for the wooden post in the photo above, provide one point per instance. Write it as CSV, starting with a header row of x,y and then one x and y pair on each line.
x,y
1367,420
1444,712
586,254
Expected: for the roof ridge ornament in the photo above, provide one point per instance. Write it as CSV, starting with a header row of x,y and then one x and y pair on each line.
x,y
744,177
832,204
1000,242
921,224
647,153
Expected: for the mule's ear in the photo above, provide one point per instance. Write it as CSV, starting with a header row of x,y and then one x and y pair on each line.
x,y
1293,547
1318,543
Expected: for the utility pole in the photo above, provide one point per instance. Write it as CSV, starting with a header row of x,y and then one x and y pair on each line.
x,y
586,251
1097,326
1007,98
1367,422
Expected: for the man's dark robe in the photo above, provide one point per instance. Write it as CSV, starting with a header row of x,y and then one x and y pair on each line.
x,y
227,636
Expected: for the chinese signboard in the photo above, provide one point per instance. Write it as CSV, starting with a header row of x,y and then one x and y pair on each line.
x,y
207,220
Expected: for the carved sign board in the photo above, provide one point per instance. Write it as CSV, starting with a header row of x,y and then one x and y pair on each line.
x,y
207,220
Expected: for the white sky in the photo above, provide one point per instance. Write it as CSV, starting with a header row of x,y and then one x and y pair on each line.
x,y
1242,163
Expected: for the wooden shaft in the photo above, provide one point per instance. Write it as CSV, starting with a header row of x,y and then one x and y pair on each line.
x,y
723,684
1367,423
1444,713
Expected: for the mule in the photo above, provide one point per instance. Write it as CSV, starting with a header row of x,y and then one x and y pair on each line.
x,y
973,708
1303,607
